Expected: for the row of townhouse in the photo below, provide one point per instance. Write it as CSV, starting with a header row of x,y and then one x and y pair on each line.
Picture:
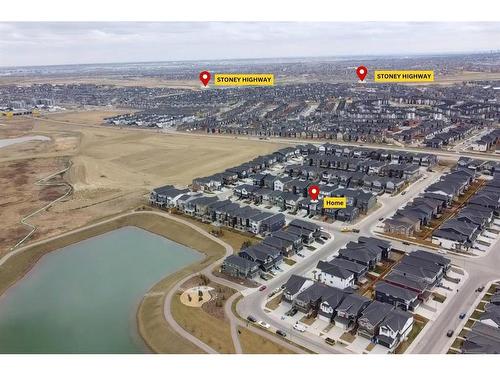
x,y
410,281
352,263
372,182
484,337
461,231
438,196
358,201
211,209
407,170
380,322
269,254
487,141
452,135
248,169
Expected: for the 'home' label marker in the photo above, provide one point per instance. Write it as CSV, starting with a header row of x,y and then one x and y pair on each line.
x,y
205,77
313,192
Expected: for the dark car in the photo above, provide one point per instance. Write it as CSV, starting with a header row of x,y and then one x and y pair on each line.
x,y
330,341
263,287
281,333
449,333
355,230
406,243
380,218
250,318
462,315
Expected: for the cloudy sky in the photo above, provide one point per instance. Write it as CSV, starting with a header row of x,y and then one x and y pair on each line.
x,y
75,43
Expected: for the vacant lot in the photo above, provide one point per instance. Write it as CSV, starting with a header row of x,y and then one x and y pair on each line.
x,y
113,169
209,329
253,343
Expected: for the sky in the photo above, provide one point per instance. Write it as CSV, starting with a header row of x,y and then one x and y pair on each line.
x,y
54,43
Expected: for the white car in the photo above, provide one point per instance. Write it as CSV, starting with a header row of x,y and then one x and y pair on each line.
x,y
263,324
299,327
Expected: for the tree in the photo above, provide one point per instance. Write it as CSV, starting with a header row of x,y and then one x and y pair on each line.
x,y
246,244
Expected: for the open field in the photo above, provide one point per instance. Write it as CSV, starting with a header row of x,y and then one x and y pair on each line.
x,y
253,343
112,168
209,329
119,80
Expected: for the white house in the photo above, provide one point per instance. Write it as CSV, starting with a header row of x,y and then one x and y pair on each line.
x,y
333,275
395,328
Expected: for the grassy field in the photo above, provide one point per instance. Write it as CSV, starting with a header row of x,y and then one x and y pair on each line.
x,y
253,343
209,329
232,237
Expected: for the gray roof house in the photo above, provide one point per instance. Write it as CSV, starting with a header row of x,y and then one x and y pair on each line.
x,y
350,310
372,317
394,329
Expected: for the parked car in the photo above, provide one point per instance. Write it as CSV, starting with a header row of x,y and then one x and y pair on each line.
x,y
301,255
291,312
355,230
480,289
449,333
281,333
441,251
380,218
251,319
263,287
299,327
320,241
406,243
403,193
462,315
330,341
264,324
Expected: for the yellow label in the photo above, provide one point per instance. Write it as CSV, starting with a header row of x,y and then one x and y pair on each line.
x,y
334,202
404,76
244,79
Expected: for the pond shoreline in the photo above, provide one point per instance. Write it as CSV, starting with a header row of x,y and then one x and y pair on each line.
x,y
18,263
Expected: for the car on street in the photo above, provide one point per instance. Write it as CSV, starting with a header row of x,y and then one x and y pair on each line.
x,y
330,341
449,333
462,315
291,312
380,218
281,333
441,251
263,287
320,241
251,319
403,193
299,327
406,243
301,255
264,324
355,230
480,289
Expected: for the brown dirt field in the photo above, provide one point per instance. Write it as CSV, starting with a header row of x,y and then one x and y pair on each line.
x,y
112,169
253,343
111,80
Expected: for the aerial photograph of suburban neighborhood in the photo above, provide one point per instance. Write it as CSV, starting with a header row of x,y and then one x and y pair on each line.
x,y
294,192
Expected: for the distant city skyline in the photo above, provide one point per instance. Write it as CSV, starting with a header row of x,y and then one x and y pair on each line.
x,y
61,43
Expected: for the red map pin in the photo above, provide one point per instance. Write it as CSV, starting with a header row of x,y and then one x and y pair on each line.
x,y
361,72
205,77
313,192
